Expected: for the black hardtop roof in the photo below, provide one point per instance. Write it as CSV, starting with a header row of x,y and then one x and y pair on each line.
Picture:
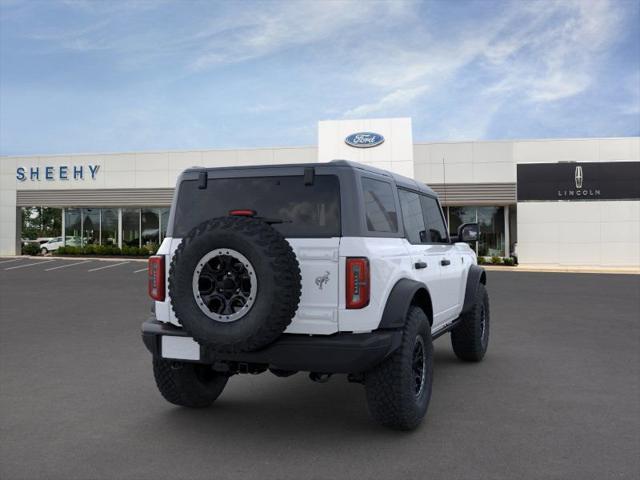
x,y
400,180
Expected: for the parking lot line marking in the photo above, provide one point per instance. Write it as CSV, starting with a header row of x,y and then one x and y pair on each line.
x,y
30,264
65,266
9,261
141,270
108,266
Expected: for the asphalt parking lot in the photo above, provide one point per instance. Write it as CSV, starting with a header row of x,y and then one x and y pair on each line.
x,y
558,395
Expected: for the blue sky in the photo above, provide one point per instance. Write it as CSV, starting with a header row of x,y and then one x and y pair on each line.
x,y
104,76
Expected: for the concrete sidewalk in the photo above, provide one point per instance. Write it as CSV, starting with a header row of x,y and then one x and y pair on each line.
x,y
562,269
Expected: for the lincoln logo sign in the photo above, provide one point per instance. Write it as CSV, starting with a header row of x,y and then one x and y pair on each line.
x,y
578,191
61,172
364,139
569,181
579,177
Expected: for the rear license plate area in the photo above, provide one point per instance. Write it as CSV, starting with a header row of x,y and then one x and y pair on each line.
x,y
180,348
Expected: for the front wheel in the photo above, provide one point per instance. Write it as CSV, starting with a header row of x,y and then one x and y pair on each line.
x,y
470,338
399,389
188,384
44,251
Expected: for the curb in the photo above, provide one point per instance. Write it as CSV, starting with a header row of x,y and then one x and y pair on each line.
x,y
98,259
559,269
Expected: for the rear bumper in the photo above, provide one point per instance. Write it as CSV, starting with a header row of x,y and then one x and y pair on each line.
x,y
338,353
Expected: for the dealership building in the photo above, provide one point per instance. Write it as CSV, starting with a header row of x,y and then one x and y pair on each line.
x,y
560,202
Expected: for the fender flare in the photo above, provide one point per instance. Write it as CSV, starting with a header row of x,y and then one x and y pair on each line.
x,y
403,294
476,276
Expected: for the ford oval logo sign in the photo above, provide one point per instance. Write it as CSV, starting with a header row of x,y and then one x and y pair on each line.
x,y
364,139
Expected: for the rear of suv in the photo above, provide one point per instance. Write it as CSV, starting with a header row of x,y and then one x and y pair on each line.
x,y
324,268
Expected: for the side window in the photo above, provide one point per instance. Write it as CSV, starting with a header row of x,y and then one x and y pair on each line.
x,y
412,216
380,207
436,230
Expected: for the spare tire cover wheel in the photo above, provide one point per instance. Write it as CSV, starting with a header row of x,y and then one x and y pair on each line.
x,y
224,285
234,283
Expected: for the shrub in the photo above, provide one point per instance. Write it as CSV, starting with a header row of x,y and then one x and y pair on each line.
x,y
31,249
496,260
509,261
481,261
105,250
68,250
151,248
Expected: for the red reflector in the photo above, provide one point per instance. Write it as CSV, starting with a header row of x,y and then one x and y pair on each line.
x,y
242,213
156,277
358,282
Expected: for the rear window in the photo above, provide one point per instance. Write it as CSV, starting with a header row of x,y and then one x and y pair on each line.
x,y
380,206
306,210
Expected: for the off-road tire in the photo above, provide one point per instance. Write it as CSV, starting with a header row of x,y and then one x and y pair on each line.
x,y
390,387
278,279
188,384
469,338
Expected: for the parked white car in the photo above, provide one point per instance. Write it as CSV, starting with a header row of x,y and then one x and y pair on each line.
x,y
52,245
55,243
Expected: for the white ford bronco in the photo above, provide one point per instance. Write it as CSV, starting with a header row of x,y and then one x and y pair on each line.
x,y
325,268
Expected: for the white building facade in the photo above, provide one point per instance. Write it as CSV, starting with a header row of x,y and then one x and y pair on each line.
x,y
561,202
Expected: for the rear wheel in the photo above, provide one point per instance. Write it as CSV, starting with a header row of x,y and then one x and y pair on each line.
x,y
399,389
470,338
188,384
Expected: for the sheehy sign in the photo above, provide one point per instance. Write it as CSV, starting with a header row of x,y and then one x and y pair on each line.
x,y
576,181
60,172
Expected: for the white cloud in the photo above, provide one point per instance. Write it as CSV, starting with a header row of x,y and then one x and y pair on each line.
x,y
552,55
537,51
396,99
286,25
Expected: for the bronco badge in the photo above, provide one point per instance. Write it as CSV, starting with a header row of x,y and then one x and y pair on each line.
x,y
322,280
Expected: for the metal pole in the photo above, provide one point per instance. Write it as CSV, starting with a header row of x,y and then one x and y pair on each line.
x,y
507,240
119,228
64,228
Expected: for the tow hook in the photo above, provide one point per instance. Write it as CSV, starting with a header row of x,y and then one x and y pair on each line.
x,y
320,377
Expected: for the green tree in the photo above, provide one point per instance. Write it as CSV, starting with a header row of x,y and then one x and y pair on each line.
x,y
41,222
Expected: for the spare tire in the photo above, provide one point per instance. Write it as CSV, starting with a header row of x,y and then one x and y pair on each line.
x,y
234,284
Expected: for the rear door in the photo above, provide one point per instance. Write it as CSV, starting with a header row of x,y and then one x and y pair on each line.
x,y
425,259
449,259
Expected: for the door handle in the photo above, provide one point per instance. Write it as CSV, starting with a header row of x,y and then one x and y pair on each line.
x,y
419,265
445,262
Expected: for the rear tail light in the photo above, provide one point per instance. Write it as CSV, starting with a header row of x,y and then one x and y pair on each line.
x,y
358,282
156,277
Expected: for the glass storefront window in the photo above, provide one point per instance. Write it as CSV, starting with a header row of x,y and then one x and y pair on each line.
x,y
131,227
41,222
150,227
109,227
164,220
491,222
460,215
90,226
72,226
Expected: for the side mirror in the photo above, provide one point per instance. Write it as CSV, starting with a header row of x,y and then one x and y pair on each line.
x,y
468,232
